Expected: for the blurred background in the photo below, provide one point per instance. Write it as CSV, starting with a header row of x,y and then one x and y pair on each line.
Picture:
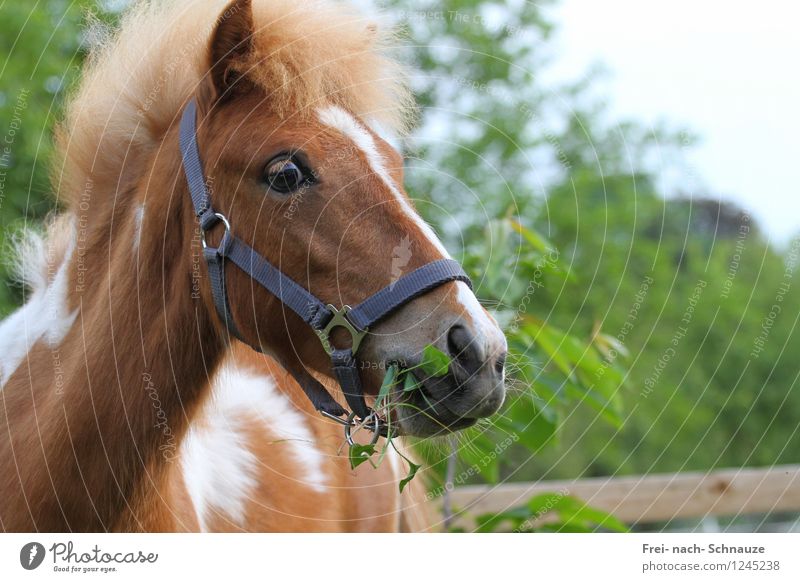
x,y
618,178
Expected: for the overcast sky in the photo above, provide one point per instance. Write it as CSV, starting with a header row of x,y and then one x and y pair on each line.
x,y
727,70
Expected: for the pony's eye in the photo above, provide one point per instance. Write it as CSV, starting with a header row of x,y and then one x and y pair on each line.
x,y
284,175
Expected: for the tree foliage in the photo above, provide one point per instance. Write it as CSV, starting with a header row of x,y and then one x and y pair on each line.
x,y
672,320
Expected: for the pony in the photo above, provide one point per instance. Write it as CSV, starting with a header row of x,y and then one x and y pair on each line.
x,y
126,403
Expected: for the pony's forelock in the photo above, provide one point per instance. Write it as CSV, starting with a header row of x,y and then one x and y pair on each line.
x,y
138,78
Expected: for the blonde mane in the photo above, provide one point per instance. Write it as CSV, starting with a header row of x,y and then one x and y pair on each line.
x,y
137,80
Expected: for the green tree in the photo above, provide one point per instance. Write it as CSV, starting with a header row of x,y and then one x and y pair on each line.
x,y
622,267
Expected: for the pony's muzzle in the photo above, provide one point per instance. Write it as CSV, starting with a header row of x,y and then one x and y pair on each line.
x,y
474,386
477,369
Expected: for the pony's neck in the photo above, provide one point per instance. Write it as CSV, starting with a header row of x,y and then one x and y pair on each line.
x,y
140,355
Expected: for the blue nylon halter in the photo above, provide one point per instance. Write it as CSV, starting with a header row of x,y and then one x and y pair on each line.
x,y
321,317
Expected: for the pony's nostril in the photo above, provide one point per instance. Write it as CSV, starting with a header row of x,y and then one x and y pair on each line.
x,y
463,348
500,364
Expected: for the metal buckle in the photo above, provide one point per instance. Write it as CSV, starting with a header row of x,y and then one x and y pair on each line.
x,y
224,221
378,428
339,319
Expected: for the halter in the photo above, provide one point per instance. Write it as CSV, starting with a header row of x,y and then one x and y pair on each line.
x,y
322,318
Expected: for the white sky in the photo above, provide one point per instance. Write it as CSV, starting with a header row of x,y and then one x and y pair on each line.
x,y
727,70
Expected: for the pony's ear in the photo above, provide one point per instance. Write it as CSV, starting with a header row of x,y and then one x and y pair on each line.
x,y
231,42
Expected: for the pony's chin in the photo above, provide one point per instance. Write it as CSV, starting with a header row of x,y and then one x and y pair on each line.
x,y
419,414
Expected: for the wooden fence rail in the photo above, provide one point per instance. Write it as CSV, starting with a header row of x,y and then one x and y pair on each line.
x,y
650,498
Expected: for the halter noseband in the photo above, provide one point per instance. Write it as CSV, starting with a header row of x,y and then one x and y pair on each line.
x,y
321,317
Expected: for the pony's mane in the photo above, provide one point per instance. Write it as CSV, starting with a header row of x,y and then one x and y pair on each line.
x,y
138,78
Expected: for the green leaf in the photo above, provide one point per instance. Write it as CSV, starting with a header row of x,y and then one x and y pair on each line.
x,y
389,380
534,425
575,512
514,517
533,238
548,340
564,527
596,400
434,361
544,502
410,383
607,344
572,514
490,522
477,451
412,472
360,454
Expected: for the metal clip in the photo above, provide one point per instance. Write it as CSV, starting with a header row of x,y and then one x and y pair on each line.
x,y
224,221
378,428
340,319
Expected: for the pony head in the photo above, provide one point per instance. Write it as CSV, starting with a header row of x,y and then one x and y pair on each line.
x,y
292,159
289,96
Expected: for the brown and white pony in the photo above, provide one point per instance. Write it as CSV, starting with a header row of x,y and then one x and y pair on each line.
x,y
124,405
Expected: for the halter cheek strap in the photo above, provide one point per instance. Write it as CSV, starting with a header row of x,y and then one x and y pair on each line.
x,y
322,318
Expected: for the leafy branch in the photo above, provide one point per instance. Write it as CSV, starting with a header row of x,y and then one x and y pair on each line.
x,y
434,362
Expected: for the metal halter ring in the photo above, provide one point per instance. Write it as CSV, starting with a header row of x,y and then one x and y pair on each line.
x,y
376,430
340,319
224,221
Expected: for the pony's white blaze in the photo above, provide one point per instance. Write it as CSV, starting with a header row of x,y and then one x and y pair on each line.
x,y
339,119
219,469
46,314
485,326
